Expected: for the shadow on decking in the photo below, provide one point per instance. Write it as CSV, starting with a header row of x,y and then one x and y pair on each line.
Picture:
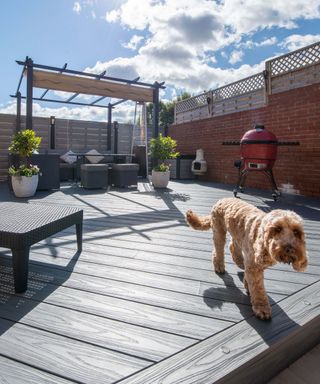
x,y
262,327
14,307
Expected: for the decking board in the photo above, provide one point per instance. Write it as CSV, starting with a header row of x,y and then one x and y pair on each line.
x,y
63,356
143,289
12,371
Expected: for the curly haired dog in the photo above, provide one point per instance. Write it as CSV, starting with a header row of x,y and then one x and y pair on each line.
x,y
258,240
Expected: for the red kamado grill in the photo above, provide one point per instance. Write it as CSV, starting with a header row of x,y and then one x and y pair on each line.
x,y
258,150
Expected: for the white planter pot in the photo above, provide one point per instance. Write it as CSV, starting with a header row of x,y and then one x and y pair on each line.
x,y
24,186
160,179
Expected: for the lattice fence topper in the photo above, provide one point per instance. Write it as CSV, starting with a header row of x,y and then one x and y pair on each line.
x,y
193,102
240,87
295,60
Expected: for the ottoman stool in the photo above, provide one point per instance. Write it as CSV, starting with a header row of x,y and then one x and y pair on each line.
x,y
94,175
124,175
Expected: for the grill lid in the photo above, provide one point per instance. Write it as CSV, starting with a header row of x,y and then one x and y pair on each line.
x,y
259,135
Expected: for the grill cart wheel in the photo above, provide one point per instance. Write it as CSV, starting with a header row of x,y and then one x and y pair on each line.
x,y
276,195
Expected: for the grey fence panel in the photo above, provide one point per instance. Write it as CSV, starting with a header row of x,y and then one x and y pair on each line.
x,y
77,135
296,79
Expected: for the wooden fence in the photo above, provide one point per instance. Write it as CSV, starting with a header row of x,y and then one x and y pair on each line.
x,y
293,70
77,135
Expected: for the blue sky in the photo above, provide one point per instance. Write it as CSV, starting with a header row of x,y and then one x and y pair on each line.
x,y
192,45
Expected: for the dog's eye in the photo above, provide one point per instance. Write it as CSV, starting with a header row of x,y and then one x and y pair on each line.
x,y
297,233
278,229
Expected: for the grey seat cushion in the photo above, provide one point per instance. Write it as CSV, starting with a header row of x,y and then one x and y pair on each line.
x,y
125,167
94,167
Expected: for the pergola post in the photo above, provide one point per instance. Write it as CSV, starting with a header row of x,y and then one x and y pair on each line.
x,y
18,118
29,124
156,109
109,126
52,132
115,138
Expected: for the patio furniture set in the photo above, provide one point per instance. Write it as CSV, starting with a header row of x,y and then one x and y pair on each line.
x,y
108,169
96,170
97,175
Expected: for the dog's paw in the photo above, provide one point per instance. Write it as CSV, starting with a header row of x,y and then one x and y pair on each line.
x,y
262,312
218,267
219,270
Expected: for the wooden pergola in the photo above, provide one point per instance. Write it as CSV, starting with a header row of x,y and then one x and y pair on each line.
x,y
77,82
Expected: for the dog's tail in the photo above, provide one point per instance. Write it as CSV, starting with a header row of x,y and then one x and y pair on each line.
x,y
200,223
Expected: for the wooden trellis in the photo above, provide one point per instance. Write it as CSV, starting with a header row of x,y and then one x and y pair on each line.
x,y
240,87
229,98
193,102
295,60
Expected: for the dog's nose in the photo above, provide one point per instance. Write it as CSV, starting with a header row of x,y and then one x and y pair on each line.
x,y
288,248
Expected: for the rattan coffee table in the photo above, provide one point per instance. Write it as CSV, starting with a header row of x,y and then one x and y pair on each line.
x,y
24,224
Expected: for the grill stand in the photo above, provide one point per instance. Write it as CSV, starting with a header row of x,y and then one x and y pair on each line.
x,y
243,175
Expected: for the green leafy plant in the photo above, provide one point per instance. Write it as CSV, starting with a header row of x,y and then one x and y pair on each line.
x,y
163,148
24,143
24,170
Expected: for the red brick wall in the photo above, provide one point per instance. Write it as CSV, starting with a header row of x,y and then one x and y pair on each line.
x,y
291,115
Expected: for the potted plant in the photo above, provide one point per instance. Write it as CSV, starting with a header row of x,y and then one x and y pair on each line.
x,y
162,148
24,176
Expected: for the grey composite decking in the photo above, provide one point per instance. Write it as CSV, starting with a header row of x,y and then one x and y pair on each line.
x,y
141,303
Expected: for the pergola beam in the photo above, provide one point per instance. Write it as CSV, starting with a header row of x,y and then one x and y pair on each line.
x,y
87,74
77,94
123,100
89,86
47,90
72,97
62,102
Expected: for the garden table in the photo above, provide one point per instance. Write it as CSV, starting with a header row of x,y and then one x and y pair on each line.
x,y
24,224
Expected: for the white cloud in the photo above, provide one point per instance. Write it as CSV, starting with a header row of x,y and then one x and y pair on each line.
x,y
250,44
193,76
271,41
113,16
63,95
235,57
136,14
121,67
244,16
134,42
209,59
175,41
294,42
181,33
76,7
